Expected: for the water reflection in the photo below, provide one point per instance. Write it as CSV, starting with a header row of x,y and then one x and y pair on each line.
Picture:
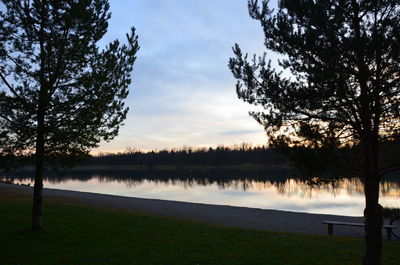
x,y
271,190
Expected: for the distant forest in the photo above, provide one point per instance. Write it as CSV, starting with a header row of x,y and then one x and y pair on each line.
x,y
221,155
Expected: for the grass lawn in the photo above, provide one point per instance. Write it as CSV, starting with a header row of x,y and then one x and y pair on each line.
x,y
82,235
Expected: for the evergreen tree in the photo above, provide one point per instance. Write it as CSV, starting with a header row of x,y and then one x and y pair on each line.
x,y
343,92
60,93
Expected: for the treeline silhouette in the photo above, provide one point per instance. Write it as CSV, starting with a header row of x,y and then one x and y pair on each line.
x,y
221,155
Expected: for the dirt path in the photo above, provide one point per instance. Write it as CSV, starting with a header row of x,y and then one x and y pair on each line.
x,y
242,217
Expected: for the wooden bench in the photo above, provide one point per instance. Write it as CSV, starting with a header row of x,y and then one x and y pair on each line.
x,y
330,224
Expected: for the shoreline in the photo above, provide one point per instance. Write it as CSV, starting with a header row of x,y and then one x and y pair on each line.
x,y
229,216
196,168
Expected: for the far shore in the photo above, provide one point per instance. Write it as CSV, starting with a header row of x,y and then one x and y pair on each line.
x,y
243,167
240,167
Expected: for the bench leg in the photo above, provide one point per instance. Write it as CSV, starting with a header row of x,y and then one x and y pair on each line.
x,y
389,233
330,229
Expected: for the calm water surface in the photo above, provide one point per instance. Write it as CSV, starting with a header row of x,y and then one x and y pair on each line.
x,y
343,197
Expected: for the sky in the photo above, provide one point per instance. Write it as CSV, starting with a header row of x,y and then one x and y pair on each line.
x,y
183,93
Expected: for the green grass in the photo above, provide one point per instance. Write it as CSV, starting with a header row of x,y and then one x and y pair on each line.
x,y
81,235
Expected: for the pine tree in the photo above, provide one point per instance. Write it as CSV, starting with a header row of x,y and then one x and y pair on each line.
x,y
60,93
342,93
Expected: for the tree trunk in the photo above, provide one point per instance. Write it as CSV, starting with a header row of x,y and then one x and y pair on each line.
x,y
373,219
37,196
37,208
39,165
373,210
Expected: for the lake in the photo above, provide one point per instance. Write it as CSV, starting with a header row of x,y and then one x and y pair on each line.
x,y
264,190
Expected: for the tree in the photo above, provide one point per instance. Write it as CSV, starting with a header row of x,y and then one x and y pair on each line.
x,y
338,90
60,93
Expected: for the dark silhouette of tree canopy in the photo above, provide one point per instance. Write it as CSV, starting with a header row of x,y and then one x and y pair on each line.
x,y
343,90
60,93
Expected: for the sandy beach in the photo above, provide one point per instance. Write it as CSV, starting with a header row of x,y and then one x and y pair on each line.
x,y
242,217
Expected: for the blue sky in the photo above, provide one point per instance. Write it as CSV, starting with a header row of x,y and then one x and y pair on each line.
x,y
182,91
